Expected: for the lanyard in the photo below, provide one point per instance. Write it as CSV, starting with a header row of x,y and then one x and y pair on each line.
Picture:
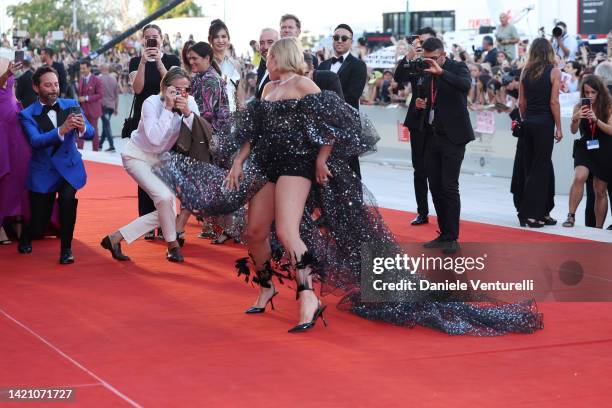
x,y
593,126
434,93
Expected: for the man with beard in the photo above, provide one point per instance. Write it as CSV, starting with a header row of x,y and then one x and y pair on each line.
x,y
51,125
267,37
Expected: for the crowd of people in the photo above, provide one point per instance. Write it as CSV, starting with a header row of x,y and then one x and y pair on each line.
x,y
267,151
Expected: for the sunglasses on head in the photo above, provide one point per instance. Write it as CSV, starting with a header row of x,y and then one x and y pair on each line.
x,y
342,38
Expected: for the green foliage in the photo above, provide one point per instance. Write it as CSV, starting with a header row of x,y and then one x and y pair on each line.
x,y
186,9
49,15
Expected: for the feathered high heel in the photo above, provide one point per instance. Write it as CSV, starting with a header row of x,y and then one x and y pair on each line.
x,y
305,262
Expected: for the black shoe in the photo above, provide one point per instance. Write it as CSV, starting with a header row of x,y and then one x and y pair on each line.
x,y
420,220
115,250
221,239
160,234
66,257
522,220
253,310
309,325
436,243
110,149
150,236
548,220
535,223
180,238
450,247
174,255
609,227
24,247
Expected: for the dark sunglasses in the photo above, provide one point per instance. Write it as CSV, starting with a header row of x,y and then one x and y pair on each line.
x,y
342,38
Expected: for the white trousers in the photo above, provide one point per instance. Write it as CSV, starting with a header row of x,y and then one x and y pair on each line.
x,y
138,164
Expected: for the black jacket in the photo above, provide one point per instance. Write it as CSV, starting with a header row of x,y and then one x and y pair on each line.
x,y
63,77
451,101
261,72
24,91
328,81
353,75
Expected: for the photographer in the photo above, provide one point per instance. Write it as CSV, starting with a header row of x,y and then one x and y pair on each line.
x,y
157,132
564,45
146,72
447,129
414,120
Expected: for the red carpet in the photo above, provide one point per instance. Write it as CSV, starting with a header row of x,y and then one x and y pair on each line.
x,y
165,335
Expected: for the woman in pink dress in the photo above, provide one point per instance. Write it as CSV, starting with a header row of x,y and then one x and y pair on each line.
x,y
14,156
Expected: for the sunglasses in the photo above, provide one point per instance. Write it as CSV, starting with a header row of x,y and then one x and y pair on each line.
x,y
342,38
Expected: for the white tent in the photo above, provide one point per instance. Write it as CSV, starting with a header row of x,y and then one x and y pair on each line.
x,y
382,59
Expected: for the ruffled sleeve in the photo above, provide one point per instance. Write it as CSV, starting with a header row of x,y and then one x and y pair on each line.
x,y
244,126
328,120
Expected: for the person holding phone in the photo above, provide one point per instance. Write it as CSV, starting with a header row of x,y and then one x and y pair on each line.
x,y
51,125
158,130
593,151
146,72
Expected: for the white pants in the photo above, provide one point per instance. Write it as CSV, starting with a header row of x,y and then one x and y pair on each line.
x,y
138,164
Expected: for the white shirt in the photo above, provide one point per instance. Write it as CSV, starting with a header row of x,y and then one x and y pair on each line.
x,y
263,79
52,115
159,128
336,66
570,43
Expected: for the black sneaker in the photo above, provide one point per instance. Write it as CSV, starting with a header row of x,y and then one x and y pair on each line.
x,y
110,149
450,247
436,243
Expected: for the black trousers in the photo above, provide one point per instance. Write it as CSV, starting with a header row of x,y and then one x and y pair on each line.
x,y
417,150
538,146
518,180
41,207
145,204
443,161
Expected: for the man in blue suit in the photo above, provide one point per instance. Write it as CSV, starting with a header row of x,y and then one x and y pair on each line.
x,y
52,125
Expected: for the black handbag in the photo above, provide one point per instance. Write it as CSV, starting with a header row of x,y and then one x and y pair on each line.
x,y
517,128
129,124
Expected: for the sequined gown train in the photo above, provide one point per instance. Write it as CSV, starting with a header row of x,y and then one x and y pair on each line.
x,y
285,138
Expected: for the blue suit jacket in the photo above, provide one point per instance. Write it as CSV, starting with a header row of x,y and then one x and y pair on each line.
x,y
53,159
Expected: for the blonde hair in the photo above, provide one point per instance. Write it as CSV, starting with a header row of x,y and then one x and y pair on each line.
x,y
289,55
172,74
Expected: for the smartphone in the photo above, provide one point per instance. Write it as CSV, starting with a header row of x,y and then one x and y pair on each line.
x,y
19,56
586,102
151,43
75,110
414,38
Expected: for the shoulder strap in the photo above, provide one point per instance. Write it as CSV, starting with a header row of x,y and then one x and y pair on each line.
x,y
132,108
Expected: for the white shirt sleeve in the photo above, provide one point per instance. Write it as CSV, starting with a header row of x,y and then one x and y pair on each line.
x,y
157,127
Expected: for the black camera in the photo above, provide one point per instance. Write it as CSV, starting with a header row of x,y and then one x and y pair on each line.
x,y
416,66
557,32
477,52
507,79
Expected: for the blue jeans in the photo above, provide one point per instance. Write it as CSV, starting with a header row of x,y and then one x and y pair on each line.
x,y
106,127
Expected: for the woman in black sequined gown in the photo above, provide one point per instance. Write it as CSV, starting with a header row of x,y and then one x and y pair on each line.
x,y
293,148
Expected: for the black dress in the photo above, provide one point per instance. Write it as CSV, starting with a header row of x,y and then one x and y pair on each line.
x,y
598,161
285,138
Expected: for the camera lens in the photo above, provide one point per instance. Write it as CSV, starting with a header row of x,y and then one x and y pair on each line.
x,y
557,32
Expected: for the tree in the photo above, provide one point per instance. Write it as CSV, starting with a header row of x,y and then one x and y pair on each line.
x,y
186,9
43,16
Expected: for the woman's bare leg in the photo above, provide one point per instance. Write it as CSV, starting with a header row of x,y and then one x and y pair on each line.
x,y
291,195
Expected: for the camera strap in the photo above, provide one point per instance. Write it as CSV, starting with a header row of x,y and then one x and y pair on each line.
x,y
434,96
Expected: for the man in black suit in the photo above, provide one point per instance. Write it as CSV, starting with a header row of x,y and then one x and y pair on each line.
x,y
352,72
24,92
415,123
46,54
267,37
447,130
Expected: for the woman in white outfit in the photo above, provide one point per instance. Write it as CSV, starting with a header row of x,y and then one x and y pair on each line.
x,y
158,130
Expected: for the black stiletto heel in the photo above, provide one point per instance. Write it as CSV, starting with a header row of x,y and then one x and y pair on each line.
x,y
534,224
307,260
263,279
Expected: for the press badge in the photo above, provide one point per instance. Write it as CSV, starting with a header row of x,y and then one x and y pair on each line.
x,y
592,144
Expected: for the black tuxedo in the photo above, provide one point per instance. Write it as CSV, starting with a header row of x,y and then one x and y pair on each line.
x,y
261,73
24,92
445,141
415,122
328,81
353,75
62,77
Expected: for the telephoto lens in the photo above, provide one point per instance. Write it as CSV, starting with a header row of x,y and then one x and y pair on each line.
x,y
557,32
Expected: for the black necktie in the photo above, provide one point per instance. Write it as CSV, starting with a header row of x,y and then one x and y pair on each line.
x,y
47,108
340,60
